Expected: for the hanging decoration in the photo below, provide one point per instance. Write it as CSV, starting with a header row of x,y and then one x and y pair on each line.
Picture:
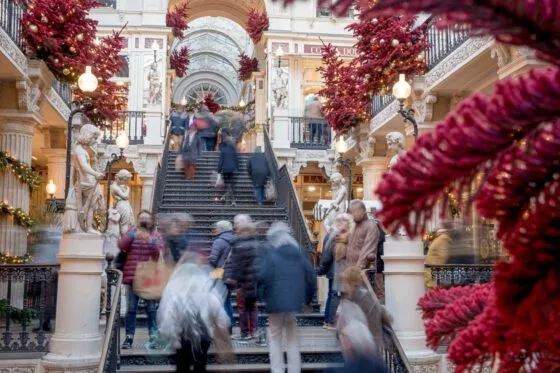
x,y
242,109
14,259
516,147
212,105
257,24
19,216
22,171
177,20
179,61
247,66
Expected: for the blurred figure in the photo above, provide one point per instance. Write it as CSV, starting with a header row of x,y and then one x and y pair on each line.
x,y
140,244
237,128
192,147
376,315
259,172
221,254
227,166
379,275
326,268
176,227
244,276
179,125
335,252
438,252
358,347
190,118
314,112
191,313
289,283
209,130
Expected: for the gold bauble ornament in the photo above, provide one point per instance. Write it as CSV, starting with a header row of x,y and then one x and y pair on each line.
x,y
56,60
65,71
33,28
382,41
72,49
420,57
395,43
80,37
375,20
44,19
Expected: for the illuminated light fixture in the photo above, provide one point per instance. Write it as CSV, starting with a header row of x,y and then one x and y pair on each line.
x,y
279,53
155,46
120,83
87,81
341,146
311,189
184,101
402,91
242,103
122,141
51,188
359,190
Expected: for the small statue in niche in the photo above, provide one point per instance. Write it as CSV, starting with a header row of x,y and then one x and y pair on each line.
x,y
84,197
367,147
395,146
339,196
154,88
120,191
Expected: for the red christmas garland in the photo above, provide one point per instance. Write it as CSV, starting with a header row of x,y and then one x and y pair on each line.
x,y
247,66
257,24
177,19
212,105
179,61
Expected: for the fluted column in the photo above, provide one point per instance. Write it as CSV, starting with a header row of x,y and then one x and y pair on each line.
x,y
373,170
56,165
15,139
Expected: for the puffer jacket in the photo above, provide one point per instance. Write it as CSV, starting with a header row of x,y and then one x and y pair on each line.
x,y
243,261
138,250
220,249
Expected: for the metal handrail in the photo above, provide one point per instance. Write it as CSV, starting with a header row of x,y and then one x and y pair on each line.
x,y
110,354
446,275
11,12
394,356
161,173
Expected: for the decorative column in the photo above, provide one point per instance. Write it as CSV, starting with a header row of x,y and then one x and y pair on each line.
x,y
56,165
404,285
147,191
15,139
373,170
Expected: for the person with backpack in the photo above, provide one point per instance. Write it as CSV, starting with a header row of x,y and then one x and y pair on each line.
x,y
220,255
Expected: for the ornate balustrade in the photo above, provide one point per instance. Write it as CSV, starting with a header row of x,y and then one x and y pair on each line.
x,y
11,12
379,103
446,275
308,133
131,122
64,90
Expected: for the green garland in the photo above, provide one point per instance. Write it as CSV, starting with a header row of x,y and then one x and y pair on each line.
x,y
196,106
22,171
14,259
20,217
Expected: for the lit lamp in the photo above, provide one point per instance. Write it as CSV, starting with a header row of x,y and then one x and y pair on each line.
x,y
184,101
87,82
279,53
122,142
242,103
155,48
402,91
341,148
51,188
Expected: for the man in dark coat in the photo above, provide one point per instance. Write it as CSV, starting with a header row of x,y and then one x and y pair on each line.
x,y
192,147
289,283
208,131
326,268
227,166
259,172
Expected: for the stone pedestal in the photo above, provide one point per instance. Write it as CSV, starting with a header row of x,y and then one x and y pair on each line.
x,y
404,285
56,165
77,341
15,139
155,130
373,170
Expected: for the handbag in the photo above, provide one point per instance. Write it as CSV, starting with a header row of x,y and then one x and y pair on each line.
x,y
151,277
218,273
179,163
219,181
270,191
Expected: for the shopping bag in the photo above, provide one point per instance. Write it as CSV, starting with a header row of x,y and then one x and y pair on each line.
x,y
151,277
270,191
179,163
219,181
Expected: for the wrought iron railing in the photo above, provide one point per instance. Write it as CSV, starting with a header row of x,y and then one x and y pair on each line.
x,y
64,90
393,353
27,306
161,174
11,12
132,122
446,275
443,41
109,3
380,102
110,355
286,197
309,133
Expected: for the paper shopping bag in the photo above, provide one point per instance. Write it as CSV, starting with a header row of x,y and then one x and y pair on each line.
x,y
151,277
179,163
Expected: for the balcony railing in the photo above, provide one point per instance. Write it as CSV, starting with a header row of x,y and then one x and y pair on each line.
x,y
380,102
27,307
446,275
11,12
309,133
130,122
443,41
64,90
109,3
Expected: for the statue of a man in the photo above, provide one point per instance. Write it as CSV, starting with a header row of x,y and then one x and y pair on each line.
x,y
395,146
154,88
84,197
120,191
339,196
280,88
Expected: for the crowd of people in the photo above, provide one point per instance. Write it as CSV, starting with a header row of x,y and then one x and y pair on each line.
x,y
195,309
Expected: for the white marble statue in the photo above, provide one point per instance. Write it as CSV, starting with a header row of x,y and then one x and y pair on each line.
x,y
367,147
120,191
84,197
338,204
280,88
113,233
154,88
395,146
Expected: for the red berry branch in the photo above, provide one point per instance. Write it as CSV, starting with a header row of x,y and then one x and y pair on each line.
x,y
177,19
212,105
179,61
257,24
247,66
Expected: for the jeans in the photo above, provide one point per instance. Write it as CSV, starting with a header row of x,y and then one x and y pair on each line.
x,y
248,314
130,320
329,317
210,143
316,128
283,323
228,307
333,306
228,185
197,357
259,194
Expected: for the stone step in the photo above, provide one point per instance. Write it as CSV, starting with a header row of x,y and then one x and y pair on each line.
x,y
257,210
191,199
178,187
245,368
209,193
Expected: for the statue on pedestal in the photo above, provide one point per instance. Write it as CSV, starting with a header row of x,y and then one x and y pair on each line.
x,y
84,197
395,146
339,197
120,191
154,87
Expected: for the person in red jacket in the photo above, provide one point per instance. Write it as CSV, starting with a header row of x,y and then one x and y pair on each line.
x,y
140,244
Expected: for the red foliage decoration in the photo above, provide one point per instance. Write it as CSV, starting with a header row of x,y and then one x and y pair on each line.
x,y
177,19
60,33
257,23
513,137
435,300
105,103
179,61
212,105
247,66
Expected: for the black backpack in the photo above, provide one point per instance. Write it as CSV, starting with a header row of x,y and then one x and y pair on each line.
x,y
380,250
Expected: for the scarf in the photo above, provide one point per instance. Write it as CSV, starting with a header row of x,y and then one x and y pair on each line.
x,y
340,244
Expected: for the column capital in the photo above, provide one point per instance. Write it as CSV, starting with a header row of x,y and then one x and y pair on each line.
x,y
18,123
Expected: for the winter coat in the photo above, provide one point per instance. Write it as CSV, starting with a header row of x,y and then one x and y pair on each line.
x,y
228,162
287,278
438,253
211,127
191,150
380,248
244,271
178,123
363,365
326,265
362,248
220,249
314,110
178,244
138,250
258,169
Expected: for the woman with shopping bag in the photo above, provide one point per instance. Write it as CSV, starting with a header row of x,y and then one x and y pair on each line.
x,y
141,245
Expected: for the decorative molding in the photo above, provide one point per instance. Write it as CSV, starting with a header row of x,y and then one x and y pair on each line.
x,y
29,96
501,53
465,53
59,104
424,108
367,147
384,116
10,49
294,167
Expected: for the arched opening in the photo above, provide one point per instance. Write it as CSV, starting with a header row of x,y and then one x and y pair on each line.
x,y
235,10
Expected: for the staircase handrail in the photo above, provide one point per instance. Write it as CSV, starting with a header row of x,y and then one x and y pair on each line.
x,y
161,173
393,354
110,355
286,197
